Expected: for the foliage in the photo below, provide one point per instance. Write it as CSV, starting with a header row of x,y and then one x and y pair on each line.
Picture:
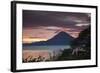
x,y
80,47
40,58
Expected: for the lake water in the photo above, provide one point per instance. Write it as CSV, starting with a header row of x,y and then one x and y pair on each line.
x,y
59,47
43,51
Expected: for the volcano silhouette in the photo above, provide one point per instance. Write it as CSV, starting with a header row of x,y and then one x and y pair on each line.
x,y
62,38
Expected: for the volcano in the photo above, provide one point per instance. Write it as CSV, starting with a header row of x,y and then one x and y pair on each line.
x,y
62,38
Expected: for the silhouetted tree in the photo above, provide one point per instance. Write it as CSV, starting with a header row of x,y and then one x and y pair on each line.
x,y
80,47
82,44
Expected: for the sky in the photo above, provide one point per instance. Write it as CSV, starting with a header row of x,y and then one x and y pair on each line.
x,y
43,25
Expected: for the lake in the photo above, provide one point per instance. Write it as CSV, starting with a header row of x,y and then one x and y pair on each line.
x,y
43,52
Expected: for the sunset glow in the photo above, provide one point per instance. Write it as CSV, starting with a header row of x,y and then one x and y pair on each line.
x,y
30,40
43,25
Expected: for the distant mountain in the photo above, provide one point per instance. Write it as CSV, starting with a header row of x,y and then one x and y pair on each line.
x,y
62,38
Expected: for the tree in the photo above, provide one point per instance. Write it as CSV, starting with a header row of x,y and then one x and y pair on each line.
x,y
83,42
80,47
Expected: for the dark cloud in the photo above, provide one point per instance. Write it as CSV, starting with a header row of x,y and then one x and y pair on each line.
x,y
48,18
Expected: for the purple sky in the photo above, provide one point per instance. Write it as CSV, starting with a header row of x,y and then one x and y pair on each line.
x,y
43,25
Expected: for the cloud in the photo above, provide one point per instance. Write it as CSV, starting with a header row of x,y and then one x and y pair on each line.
x,y
82,24
49,18
53,28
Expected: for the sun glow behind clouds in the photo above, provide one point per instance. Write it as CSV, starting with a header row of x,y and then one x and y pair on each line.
x,y
44,33
30,40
